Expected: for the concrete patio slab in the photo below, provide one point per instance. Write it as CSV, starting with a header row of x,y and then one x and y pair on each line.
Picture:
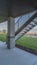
x,y
16,56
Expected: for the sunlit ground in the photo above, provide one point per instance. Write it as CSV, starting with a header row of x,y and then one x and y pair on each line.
x,y
29,42
3,37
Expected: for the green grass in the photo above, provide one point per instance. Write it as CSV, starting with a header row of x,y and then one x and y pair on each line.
x,y
2,37
28,42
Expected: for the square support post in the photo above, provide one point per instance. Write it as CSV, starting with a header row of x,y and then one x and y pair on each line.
x,y
11,33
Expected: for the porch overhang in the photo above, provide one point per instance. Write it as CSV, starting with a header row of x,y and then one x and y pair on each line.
x,y
16,8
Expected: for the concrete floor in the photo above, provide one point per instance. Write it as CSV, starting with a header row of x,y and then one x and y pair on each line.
x,y
16,56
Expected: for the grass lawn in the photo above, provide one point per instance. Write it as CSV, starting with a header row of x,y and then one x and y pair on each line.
x,y
3,37
28,42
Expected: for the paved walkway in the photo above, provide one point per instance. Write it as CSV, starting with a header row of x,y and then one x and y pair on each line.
x,y
16,56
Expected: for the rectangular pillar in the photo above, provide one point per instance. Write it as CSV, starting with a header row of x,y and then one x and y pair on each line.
x,y
11,33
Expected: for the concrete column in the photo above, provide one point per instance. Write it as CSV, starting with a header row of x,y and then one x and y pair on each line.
x,y
11,33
